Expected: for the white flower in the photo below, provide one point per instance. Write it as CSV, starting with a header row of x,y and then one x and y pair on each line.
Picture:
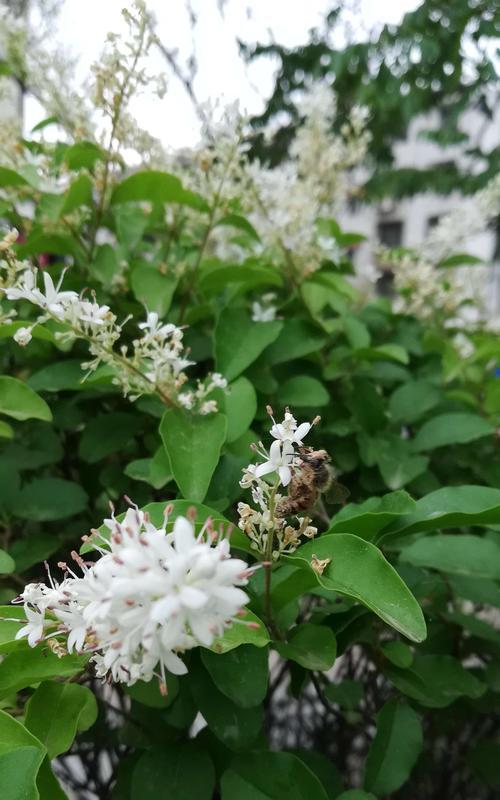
x,y
280,459
148,598
53,299
289,431
23,336
263,313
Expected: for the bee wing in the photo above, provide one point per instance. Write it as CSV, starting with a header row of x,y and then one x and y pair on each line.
x,y
337,494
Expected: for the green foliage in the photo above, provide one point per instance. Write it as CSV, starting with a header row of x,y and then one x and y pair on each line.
x,y
375,624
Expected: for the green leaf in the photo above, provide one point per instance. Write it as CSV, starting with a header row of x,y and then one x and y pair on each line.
x,y
456,554
270,776
17,400
156,187
153,289
156,471
149,693
240,406
56,712
107,434
373,515
435,681
216,276
9,627
356,794
347,694
397,463
460,259
59,376
385,352
395,749
235,726
177,772
131,222
240,674
359,570
484,758
193,444
22,668
296,339
451,507
7,564
238,634
302,390
8,177
312,646
398,653
21,756
237,221
6,430
356,332
324,769
33,549
412,400
47,784
78,194
83,154
239,341
49,498
447,429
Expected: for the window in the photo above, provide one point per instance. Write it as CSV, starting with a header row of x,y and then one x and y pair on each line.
x,y
432,222
390,233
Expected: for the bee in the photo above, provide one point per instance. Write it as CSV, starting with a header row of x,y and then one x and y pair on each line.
x,y
312,477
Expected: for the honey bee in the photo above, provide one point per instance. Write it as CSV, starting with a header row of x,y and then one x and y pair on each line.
x,y
313,476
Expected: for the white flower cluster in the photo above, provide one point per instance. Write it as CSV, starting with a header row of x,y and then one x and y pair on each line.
x,y
457,296
311,183
148,598
269,533
156,361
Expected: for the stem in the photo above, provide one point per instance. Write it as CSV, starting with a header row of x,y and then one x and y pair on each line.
x,y
269,559
208,229
114,124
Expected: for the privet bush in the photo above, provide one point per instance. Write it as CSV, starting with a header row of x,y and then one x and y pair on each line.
x,y
187,346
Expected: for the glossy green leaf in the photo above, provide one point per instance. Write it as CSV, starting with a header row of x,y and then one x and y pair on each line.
x,y
302,390
19,401
149,694
156,187
451,507
455,554
395,749
270,776
435,681
216,276
241,674
7,564
312,646
47,784
448,429
240,633
347,694
240,406
233,725
356,794
9,626
297,339
49,498
21,756
59,376
239,341
367,519
398,653
412,400
22,668
83,154
193,444
359,570
78,194
107,434
56,712
6,430
153,289
177,772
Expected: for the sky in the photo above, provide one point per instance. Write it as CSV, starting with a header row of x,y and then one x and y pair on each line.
x,y
82,27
